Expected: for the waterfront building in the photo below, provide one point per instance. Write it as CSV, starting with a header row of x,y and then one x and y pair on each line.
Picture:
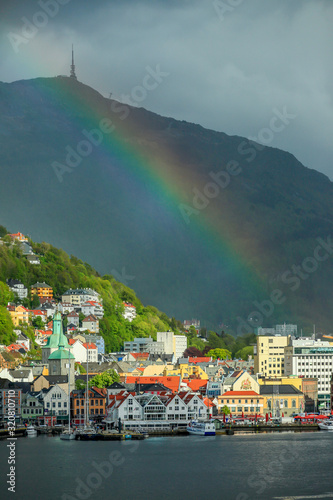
x,y
55,401
9,392
312,358
31,407
242,403
269,355
282,399
96,405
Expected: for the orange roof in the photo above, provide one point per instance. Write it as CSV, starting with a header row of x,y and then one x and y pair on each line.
x,y
208,403
240,393
90,345
203,359
137,355
195,384
171,383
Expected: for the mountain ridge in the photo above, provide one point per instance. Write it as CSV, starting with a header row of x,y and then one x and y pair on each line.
x,y
269,214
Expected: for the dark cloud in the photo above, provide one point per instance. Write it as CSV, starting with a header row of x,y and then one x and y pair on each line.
x,y
230,63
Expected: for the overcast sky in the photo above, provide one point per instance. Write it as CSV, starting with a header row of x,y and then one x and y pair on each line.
x,y
230,63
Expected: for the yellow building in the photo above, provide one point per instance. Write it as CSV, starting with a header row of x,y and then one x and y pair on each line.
x,y
185,371
42,290
19,315
269,355
292,380
282,399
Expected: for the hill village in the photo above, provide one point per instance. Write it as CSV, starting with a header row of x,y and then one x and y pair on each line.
x,y
152,384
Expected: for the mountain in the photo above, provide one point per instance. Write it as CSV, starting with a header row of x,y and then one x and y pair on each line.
x,y
199,223
62,272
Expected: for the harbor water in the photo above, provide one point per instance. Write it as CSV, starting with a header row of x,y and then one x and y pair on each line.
x,y
240,467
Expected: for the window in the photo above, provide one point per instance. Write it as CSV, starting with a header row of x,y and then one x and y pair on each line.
x,y
59,404
239,408
53,405
47,405
65,404
92,402
293,403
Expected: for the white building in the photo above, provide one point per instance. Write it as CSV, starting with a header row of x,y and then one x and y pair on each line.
x,y
80,350
311,358
129,311
92,307
152,410
17,287
286,329
173,344
91,324
79,296
56,401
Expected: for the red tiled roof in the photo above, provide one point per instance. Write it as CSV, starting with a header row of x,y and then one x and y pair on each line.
x,y
240,393
195,360
143,355
90,345
195,384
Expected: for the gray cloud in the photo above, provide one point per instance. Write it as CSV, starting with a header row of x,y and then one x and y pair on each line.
x,y
227,75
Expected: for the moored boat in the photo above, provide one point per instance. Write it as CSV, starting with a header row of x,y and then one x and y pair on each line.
x,y
31,431
206,428
326,426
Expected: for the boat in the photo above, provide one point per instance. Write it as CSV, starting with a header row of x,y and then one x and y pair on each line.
x,y
31,431
201,428
68,434
326,426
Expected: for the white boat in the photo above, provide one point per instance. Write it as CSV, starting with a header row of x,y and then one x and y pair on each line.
x,y
326,426
31,431
201,428
68,434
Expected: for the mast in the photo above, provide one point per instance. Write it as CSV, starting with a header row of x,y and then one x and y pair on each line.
x,y
86,419
72,73
69,391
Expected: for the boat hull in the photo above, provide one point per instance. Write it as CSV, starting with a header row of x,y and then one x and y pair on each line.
x,y
201,428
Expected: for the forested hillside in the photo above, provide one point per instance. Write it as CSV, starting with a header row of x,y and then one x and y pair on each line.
x,y
62,272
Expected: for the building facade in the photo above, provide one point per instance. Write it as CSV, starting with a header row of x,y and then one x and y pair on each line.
x,y
269,355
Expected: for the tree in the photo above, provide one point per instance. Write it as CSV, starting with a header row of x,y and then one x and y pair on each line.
x,y
192,352
225,410
80,368
5,294
6,327
3,231
245,352
35,301
219,353
38,323
104,379
79,384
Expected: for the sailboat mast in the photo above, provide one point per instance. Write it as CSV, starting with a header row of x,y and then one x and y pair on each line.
x,y
69,390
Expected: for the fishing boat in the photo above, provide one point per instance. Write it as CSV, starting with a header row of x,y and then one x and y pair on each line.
x,y
197,428
68,434
31,431
326,426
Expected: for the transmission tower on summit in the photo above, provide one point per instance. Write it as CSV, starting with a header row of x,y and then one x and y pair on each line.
x,y
72,74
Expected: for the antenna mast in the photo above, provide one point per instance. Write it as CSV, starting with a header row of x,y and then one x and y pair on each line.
x,y
72,74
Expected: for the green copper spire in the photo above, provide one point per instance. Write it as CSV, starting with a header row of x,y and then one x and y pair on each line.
x,y
57,338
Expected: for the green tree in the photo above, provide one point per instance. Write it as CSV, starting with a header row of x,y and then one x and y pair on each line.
x,y
104,379
79,384
35,301
245,352
38,323
5,294
6,327
225,410
3,231
219,353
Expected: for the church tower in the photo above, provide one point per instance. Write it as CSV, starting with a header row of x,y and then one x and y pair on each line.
x,y
72,74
